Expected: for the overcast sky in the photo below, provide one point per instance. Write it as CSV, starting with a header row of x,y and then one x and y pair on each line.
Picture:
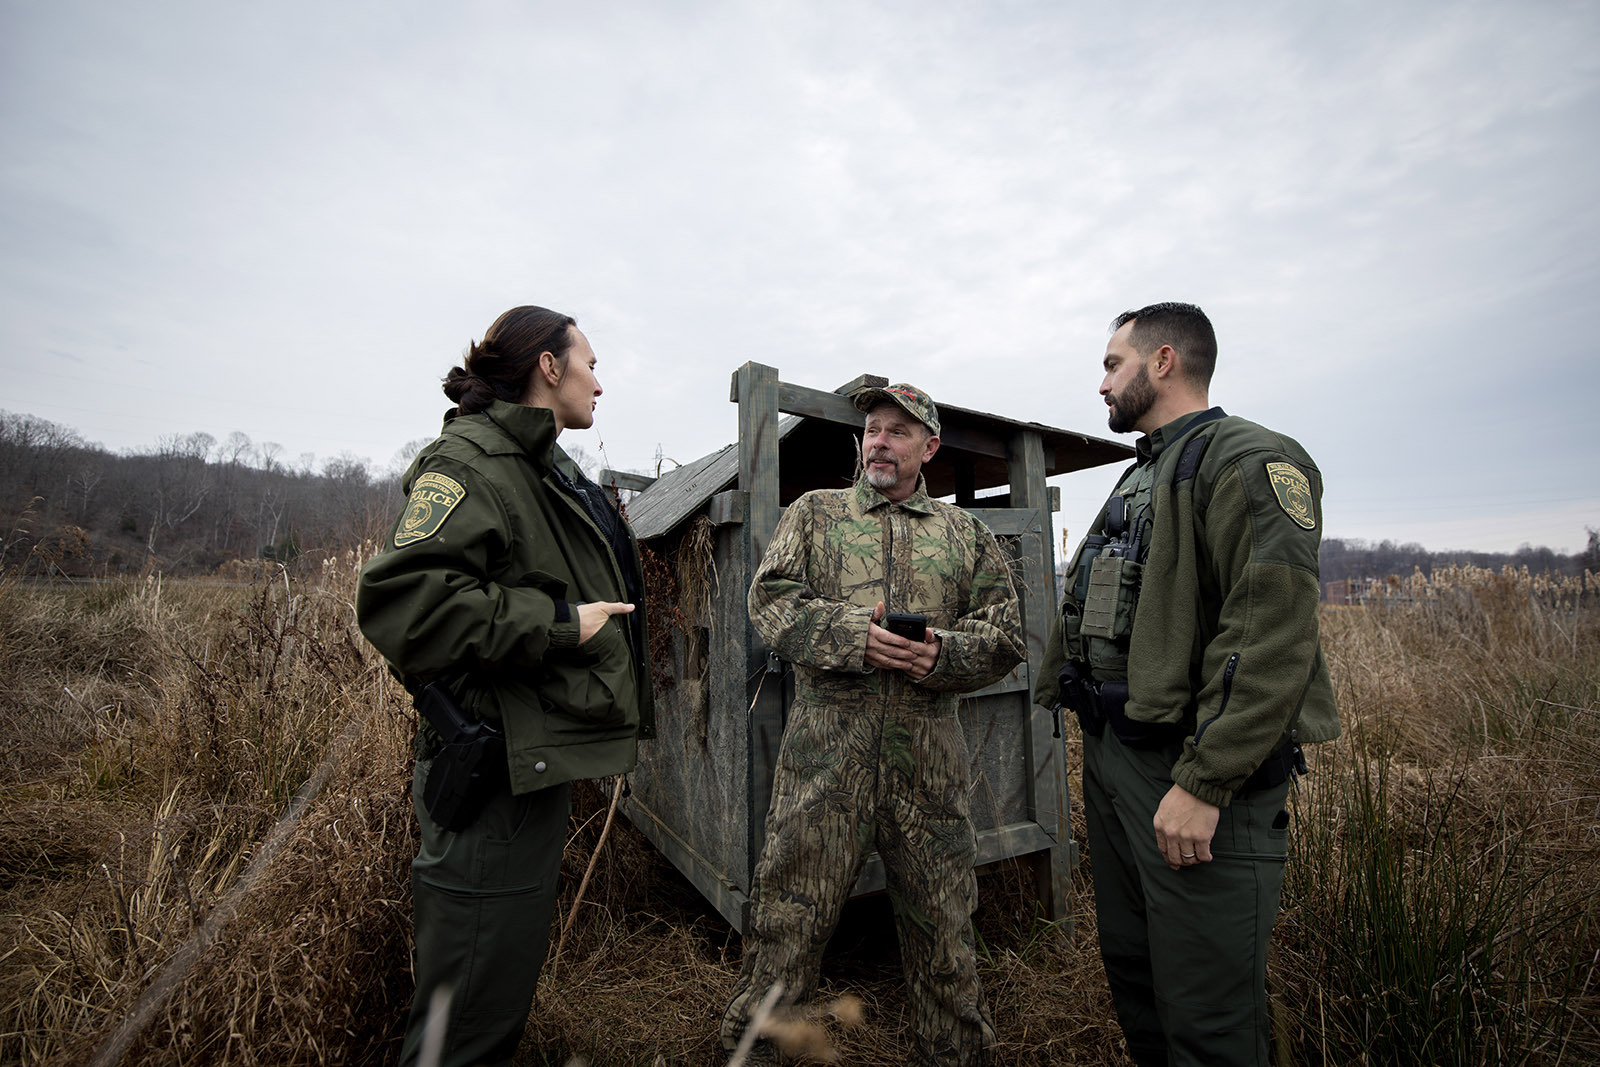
x,y
289,219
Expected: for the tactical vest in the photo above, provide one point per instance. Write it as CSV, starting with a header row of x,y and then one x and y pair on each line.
x,y
1098,612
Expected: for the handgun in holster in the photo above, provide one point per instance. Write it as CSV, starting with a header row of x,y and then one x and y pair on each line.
x,y
468,768
1078,695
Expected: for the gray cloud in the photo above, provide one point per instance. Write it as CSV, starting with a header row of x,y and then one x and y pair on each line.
x,y
289,221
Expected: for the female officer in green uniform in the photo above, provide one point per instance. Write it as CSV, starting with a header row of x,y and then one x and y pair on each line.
x,y
511,580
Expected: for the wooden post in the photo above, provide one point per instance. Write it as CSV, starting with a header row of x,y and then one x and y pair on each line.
x,y
1048,800
755,388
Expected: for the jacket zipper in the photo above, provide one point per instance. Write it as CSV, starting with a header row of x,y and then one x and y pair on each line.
x,y
888,561
1227,691
599,535
888,574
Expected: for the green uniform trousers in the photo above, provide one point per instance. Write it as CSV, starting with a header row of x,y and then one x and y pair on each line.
x,y
1185,951
848,779
483,898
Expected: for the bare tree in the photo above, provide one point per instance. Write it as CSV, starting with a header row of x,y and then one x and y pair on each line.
x,y
180,484
235,449
269,456
85,479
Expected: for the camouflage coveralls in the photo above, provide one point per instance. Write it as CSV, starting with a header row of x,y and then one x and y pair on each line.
x,y
873,758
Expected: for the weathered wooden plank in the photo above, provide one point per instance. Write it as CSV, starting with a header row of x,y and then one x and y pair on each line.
x,y
1017,681
623,480
756,387
704,872
860,382
727,507
682,491
816,404
1008,522
1048,800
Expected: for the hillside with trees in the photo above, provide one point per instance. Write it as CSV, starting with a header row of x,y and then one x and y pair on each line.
x,y
187,505
191,503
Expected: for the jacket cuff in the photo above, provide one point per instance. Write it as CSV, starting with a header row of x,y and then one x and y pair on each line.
x,y
564,634
1185,774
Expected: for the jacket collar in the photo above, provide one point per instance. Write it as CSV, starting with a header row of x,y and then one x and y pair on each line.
x,y
868,498
506,428
1163,437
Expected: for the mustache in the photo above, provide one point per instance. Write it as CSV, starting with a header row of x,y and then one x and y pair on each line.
x,y
884,456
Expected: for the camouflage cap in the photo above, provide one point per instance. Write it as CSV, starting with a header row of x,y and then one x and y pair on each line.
x,y
918,405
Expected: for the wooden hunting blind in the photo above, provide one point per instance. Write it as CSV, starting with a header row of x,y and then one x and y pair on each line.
x,y
702,787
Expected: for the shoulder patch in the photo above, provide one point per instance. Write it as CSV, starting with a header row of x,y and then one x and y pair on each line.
x,y
433,497
1293,491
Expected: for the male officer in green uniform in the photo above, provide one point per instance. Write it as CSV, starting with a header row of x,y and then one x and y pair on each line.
x,y
1187,645
873,753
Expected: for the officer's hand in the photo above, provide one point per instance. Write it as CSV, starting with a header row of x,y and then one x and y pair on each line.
x,y
1185,825
593,616
887,651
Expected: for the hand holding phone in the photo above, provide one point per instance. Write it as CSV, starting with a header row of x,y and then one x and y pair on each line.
x,y
912,625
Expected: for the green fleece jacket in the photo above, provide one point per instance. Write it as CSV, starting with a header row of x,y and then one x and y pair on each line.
x,y
1224,639
478,584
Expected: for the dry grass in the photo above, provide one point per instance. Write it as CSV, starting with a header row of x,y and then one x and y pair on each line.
x,y
1442,908
156,734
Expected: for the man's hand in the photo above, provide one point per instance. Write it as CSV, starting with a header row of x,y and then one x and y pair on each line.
x,y
593,616
927,655
891,652
1185,825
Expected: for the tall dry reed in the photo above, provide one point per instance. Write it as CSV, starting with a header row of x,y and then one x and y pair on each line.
x,y
1439,906
161,740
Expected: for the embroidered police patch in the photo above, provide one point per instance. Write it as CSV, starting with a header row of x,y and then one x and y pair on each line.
x,y
1293,491
432,498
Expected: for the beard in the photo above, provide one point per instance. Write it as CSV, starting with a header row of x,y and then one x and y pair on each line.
x,y
1131,405
881,480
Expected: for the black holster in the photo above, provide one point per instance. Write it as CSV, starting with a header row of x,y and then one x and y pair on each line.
x,y
1079,694
1282,762
1099,704
469,768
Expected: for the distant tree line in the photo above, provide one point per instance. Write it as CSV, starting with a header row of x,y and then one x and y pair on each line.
x,y
191,503
1354,558
187,505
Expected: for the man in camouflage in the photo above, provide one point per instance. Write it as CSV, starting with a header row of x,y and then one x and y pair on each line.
x,y
873,754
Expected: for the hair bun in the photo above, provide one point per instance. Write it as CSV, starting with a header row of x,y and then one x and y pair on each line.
x,y
460,383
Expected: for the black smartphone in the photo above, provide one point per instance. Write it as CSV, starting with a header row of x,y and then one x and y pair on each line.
x,y
912,625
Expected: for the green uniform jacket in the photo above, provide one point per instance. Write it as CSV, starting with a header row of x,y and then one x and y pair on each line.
x,y
837,552
1225,639
478,584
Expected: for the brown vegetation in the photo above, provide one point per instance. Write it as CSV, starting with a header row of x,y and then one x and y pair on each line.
x,y
206,832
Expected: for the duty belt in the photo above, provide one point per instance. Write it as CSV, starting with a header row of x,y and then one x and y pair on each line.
x,y
1100,704
1282,762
